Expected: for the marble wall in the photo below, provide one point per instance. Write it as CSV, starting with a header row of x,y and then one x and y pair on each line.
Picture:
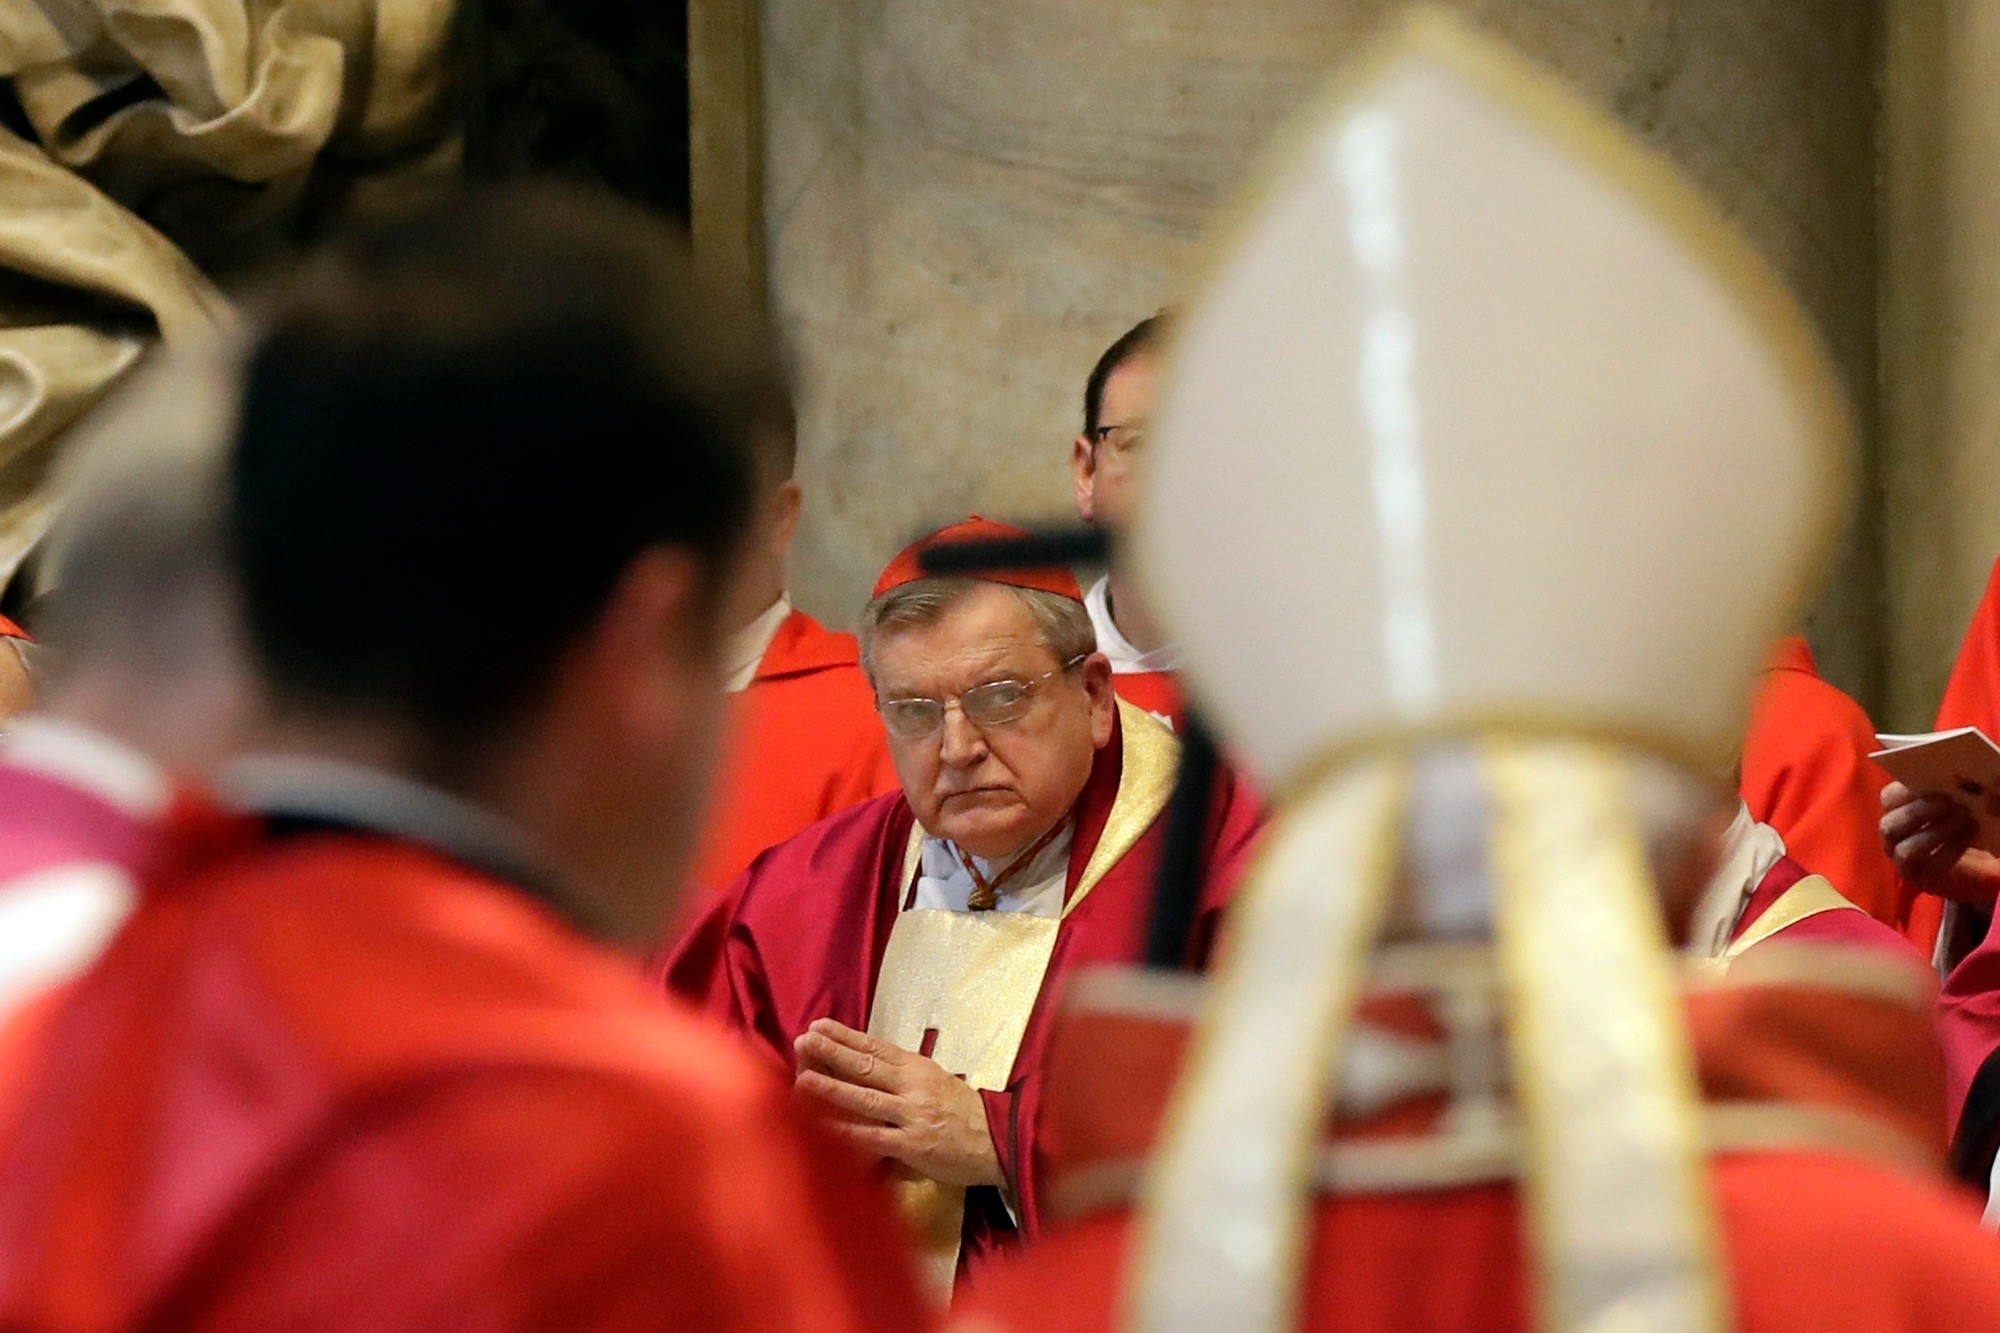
x,y
965,201
1940,335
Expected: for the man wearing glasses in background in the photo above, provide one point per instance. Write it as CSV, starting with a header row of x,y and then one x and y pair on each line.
x,y
903,957
1117,403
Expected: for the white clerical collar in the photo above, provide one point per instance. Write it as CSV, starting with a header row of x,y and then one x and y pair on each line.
x,y
748,645
1038,888
1749,850
1126,660
315,790
90,761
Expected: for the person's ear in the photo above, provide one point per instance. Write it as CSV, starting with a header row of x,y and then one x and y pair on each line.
x,y
1103,699
787,503
1083,463
653,644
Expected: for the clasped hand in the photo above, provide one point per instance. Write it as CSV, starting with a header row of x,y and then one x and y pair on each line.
x,y
898,1104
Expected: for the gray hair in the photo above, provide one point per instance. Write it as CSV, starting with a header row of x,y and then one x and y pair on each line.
x,y
1063,621
137,556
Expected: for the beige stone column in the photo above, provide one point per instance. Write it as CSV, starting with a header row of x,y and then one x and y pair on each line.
x,y
966,201
1940,303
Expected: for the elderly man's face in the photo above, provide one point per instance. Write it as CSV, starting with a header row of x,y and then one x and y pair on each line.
x,y
993,790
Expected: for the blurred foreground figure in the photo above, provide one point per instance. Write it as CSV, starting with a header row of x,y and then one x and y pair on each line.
x,y
142,671
1105,460
363,1061
904,956
1445,1078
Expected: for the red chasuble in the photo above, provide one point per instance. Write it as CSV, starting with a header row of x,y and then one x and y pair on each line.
x,y
338,1081
803,742
1823,1100
803,936
1807,774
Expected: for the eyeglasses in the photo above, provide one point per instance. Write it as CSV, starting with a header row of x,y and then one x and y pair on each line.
x,y
994,704
1123,438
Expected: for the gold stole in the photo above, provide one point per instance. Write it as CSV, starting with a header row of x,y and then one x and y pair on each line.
x,y
972,978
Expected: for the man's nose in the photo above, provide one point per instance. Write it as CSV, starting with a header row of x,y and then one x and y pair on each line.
x,y
960,744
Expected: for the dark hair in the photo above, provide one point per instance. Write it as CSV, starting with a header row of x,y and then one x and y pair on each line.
x,y
458,432
1141,337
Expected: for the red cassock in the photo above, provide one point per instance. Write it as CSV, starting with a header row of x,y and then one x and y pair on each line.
x,y
1823,1103
803,742
803,934
336,1080
1806,773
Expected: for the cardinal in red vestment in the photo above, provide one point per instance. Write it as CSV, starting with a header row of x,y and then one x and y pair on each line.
x,y
1930,840
1939,871
1807,774
904,957
370,1053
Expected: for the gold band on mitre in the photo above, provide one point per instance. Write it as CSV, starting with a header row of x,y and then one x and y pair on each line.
x,y
1616,1182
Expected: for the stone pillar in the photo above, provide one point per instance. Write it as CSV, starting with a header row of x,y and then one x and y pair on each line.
x,y
966,201
1940,334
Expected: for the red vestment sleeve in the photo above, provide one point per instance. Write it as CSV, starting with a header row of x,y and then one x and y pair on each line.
x,y
564,1201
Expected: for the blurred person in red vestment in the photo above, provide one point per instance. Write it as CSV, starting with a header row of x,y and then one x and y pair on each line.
x,y
1801,859
140,670
801,740
1807,774
365,1056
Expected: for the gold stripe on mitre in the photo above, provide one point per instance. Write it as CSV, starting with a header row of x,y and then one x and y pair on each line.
x,y
973,978
1623,1225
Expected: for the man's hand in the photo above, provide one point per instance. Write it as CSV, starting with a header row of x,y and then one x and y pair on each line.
x,y
898,1104
1930,840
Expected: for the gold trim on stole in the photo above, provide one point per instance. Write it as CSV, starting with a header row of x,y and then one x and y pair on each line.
x,y
1809,897
973,978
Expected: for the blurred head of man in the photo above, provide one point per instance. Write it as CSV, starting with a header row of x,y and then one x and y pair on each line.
x,y
1117,405
776,504
491,488
140,637
996,703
